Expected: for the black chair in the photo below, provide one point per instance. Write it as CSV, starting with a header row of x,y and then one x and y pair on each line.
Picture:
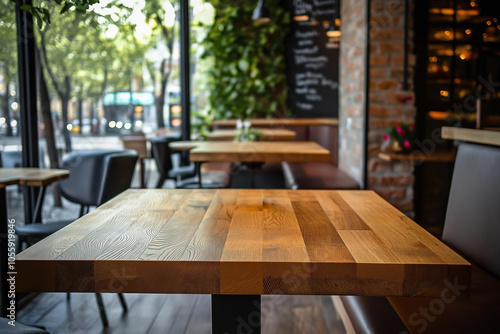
x,y
167,169
10,159
95,177
19,328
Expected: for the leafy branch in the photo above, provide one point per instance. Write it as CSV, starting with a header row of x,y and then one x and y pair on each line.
x,y
42,14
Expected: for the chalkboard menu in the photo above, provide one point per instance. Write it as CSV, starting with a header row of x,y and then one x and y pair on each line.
x,y
312,59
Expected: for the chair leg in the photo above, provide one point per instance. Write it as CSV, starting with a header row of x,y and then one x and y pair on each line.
x,y
123,302
102,310
20,242
160,182
68,296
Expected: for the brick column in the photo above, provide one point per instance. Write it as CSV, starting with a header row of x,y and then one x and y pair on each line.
x,y
388,103
352,95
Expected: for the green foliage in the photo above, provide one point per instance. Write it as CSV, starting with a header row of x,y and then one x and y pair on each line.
x,y
42,13
8,42
79,47
247,74
201,123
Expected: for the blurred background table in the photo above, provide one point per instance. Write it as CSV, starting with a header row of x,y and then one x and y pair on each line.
x,y
267,134
29,177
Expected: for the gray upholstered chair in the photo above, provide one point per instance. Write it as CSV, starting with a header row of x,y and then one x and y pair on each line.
x,y
472,228
95,177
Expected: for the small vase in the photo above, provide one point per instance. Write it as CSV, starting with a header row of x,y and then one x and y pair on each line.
x,y
396,147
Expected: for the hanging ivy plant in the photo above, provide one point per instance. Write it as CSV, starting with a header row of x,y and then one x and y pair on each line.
x,y
247,77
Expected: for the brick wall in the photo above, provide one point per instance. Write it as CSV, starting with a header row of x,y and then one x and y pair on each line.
x,y
388,102
352,87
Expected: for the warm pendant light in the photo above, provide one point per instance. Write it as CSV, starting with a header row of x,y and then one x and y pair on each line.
x,y
261,13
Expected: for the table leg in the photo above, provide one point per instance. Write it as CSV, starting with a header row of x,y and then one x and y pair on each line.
x,y
141,169
30,197
235,314
37,214
3,250
197,166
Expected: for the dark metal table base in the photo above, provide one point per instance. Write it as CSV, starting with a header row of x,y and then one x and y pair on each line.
x,y
234,314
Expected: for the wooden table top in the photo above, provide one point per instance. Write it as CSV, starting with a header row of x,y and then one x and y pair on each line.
x,y
31,177
274,151
185,145
267,134
248,241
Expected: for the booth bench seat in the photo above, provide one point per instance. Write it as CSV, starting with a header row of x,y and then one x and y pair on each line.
x,y
472,229
316,175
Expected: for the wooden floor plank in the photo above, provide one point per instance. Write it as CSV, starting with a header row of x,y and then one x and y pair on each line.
x,y
306,320
174,315
201,321
32,312
332,318
83,316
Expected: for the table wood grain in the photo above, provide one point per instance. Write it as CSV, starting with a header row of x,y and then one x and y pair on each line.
x,y
31,177
247,241
267,134
274,151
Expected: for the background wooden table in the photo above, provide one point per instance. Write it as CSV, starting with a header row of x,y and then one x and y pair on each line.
x,y
30,177
274,151
267,134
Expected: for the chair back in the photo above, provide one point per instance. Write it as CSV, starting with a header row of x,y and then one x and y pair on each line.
x,y
10,159
472,225
161,153
118,174
89,176
137,144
